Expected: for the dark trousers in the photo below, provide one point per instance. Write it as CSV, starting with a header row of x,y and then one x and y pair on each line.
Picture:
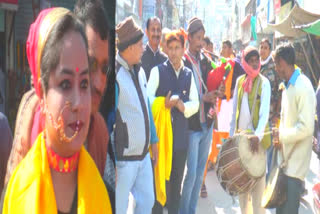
x,y
294,190
173,186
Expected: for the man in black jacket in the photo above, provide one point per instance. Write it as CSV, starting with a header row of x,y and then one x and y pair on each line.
x,y
200,125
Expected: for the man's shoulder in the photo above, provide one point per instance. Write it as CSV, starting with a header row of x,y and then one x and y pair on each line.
x,y
265,83
119,68
162,64
264,79
241,77
187,62
303,83
187,70
144,54
163,56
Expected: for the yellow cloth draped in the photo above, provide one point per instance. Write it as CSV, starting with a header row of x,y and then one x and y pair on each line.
x,y
162,171
30,188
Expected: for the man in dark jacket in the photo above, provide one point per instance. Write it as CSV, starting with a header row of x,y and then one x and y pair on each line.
x,y
200,125
172,77
152,55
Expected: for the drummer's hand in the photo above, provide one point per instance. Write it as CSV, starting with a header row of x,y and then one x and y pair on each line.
x,y
254,143
277,145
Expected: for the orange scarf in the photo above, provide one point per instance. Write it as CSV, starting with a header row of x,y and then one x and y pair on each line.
x,y
30,187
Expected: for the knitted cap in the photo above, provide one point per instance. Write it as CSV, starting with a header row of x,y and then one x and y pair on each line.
x,y
194,25
128,32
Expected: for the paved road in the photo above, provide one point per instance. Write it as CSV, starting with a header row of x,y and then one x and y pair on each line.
x,y
221,203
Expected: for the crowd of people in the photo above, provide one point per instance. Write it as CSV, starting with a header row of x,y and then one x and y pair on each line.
x,y
180,97
148,122
58,161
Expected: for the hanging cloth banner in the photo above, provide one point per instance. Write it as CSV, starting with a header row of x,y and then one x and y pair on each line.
x,y
253,27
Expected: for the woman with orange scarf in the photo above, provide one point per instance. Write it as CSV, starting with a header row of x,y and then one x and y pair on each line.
x,y
58,175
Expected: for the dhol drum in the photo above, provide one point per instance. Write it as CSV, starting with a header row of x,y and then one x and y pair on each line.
x,y
237,168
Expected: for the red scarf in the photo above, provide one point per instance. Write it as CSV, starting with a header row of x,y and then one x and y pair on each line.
x,y
251,74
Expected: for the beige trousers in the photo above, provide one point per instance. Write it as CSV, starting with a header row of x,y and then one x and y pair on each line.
x,y
251,202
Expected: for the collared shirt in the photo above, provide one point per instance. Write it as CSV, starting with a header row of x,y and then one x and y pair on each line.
x,y
293,78
154,52
191,107
177,72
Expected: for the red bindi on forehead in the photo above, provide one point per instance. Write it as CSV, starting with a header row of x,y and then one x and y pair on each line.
x,y
77,69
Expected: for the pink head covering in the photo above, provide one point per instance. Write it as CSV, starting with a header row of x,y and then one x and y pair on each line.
x,y
251,73
37,38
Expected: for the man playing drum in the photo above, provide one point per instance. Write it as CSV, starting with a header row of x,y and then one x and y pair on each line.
x,y
294,136
252,94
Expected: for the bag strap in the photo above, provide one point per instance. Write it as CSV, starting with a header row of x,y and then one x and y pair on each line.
x,y
284,161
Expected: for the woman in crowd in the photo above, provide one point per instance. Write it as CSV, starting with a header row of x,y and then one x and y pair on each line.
x,y
58,175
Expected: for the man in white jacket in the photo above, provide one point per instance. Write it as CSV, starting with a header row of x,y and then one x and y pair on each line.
x,y
296,125
248,86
